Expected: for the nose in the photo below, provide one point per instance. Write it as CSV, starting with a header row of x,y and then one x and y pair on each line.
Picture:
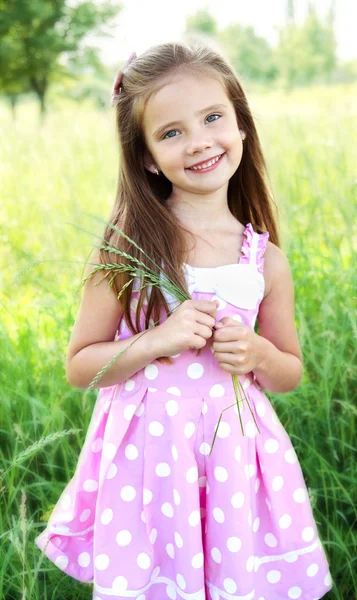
x,y
198,141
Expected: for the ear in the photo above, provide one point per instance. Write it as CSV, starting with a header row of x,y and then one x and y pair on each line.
x,y
149,162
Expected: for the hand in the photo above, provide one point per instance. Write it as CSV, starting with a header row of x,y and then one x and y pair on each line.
x,y
236,347
187,328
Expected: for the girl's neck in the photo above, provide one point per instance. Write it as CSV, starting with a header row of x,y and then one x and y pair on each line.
x,y
201,212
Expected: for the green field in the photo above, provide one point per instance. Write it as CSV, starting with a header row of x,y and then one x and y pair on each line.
x,y
50,180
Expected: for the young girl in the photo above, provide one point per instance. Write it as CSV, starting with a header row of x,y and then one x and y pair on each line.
x,y
149,513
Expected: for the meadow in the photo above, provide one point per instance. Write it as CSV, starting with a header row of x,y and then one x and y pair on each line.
x,y
51,178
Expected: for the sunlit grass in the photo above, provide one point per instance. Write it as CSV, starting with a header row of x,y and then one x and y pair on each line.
x,y
49,179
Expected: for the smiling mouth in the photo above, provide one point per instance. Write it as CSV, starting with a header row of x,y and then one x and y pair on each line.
x,y
206,165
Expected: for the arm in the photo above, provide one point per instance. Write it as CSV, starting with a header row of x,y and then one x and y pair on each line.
x,y
92,343
280,359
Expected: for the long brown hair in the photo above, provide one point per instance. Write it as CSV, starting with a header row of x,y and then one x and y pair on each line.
x,y
140,208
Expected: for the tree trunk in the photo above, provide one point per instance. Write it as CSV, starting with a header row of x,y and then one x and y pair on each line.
x,y
39,86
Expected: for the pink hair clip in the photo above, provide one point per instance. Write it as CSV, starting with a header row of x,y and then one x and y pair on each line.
x,y
119,78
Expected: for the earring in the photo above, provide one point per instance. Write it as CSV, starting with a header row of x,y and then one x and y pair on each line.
x,y
242,134
156,171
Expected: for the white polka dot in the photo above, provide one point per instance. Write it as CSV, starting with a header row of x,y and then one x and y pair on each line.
x,y
171,407
312,570
163,470
194,518
249,470
197,560
216,391
156,429
101,561
84,559
229,585
107,516
189,430
192,475
143,561
328,580
85,514
65,501
290,456
174,390
204,408
61,528
61,561
167,509
218,515
205,448
307,534
299,495
223,430
271,540
285,521
256,524
129,412
97,445
202,481
250,563
120,584
151,372
143,517
170,550
237,500
234,544
195,371
171,592
216,555
109,450
237,454
271,446
123,538
112,471
257,485
131,452
295,592
260,409
90,485
140,410
180,581
177,498
237,318
147,496
221,474
174,453
178,540
277,483
273,576
251,429
268,503
128,493
153,535
129,384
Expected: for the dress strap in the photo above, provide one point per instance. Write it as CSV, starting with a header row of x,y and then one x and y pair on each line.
x,y
253,248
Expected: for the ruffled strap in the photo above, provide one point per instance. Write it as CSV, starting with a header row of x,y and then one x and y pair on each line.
x,y
253,248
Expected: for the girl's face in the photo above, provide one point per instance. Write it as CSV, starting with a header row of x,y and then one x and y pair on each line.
x,y
190,121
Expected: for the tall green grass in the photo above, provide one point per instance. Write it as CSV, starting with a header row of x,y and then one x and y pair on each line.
x,y
49,179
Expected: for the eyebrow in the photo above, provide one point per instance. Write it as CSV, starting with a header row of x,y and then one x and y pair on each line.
x,y
162,129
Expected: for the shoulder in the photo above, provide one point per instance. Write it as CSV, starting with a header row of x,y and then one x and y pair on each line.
x,y
276,267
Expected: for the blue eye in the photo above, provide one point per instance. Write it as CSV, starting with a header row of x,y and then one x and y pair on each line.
x,y
167,136
213,116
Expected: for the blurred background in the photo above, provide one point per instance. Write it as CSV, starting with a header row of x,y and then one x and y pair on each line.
x,y
297,61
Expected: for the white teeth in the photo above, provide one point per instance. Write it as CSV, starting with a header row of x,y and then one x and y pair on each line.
x,y
208,164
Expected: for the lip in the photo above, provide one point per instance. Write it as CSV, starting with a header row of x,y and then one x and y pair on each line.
x,y
206,161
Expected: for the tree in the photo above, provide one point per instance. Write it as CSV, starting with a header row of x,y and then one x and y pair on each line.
x,y
202,22
37,37
306,53
250,54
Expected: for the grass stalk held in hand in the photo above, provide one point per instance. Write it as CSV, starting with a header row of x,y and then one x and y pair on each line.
x,y
149,277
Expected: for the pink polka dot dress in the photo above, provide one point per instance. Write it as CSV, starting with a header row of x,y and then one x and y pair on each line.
x,y
149,515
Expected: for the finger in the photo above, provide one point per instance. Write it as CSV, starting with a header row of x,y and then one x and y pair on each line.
x,y
206,306
227,347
